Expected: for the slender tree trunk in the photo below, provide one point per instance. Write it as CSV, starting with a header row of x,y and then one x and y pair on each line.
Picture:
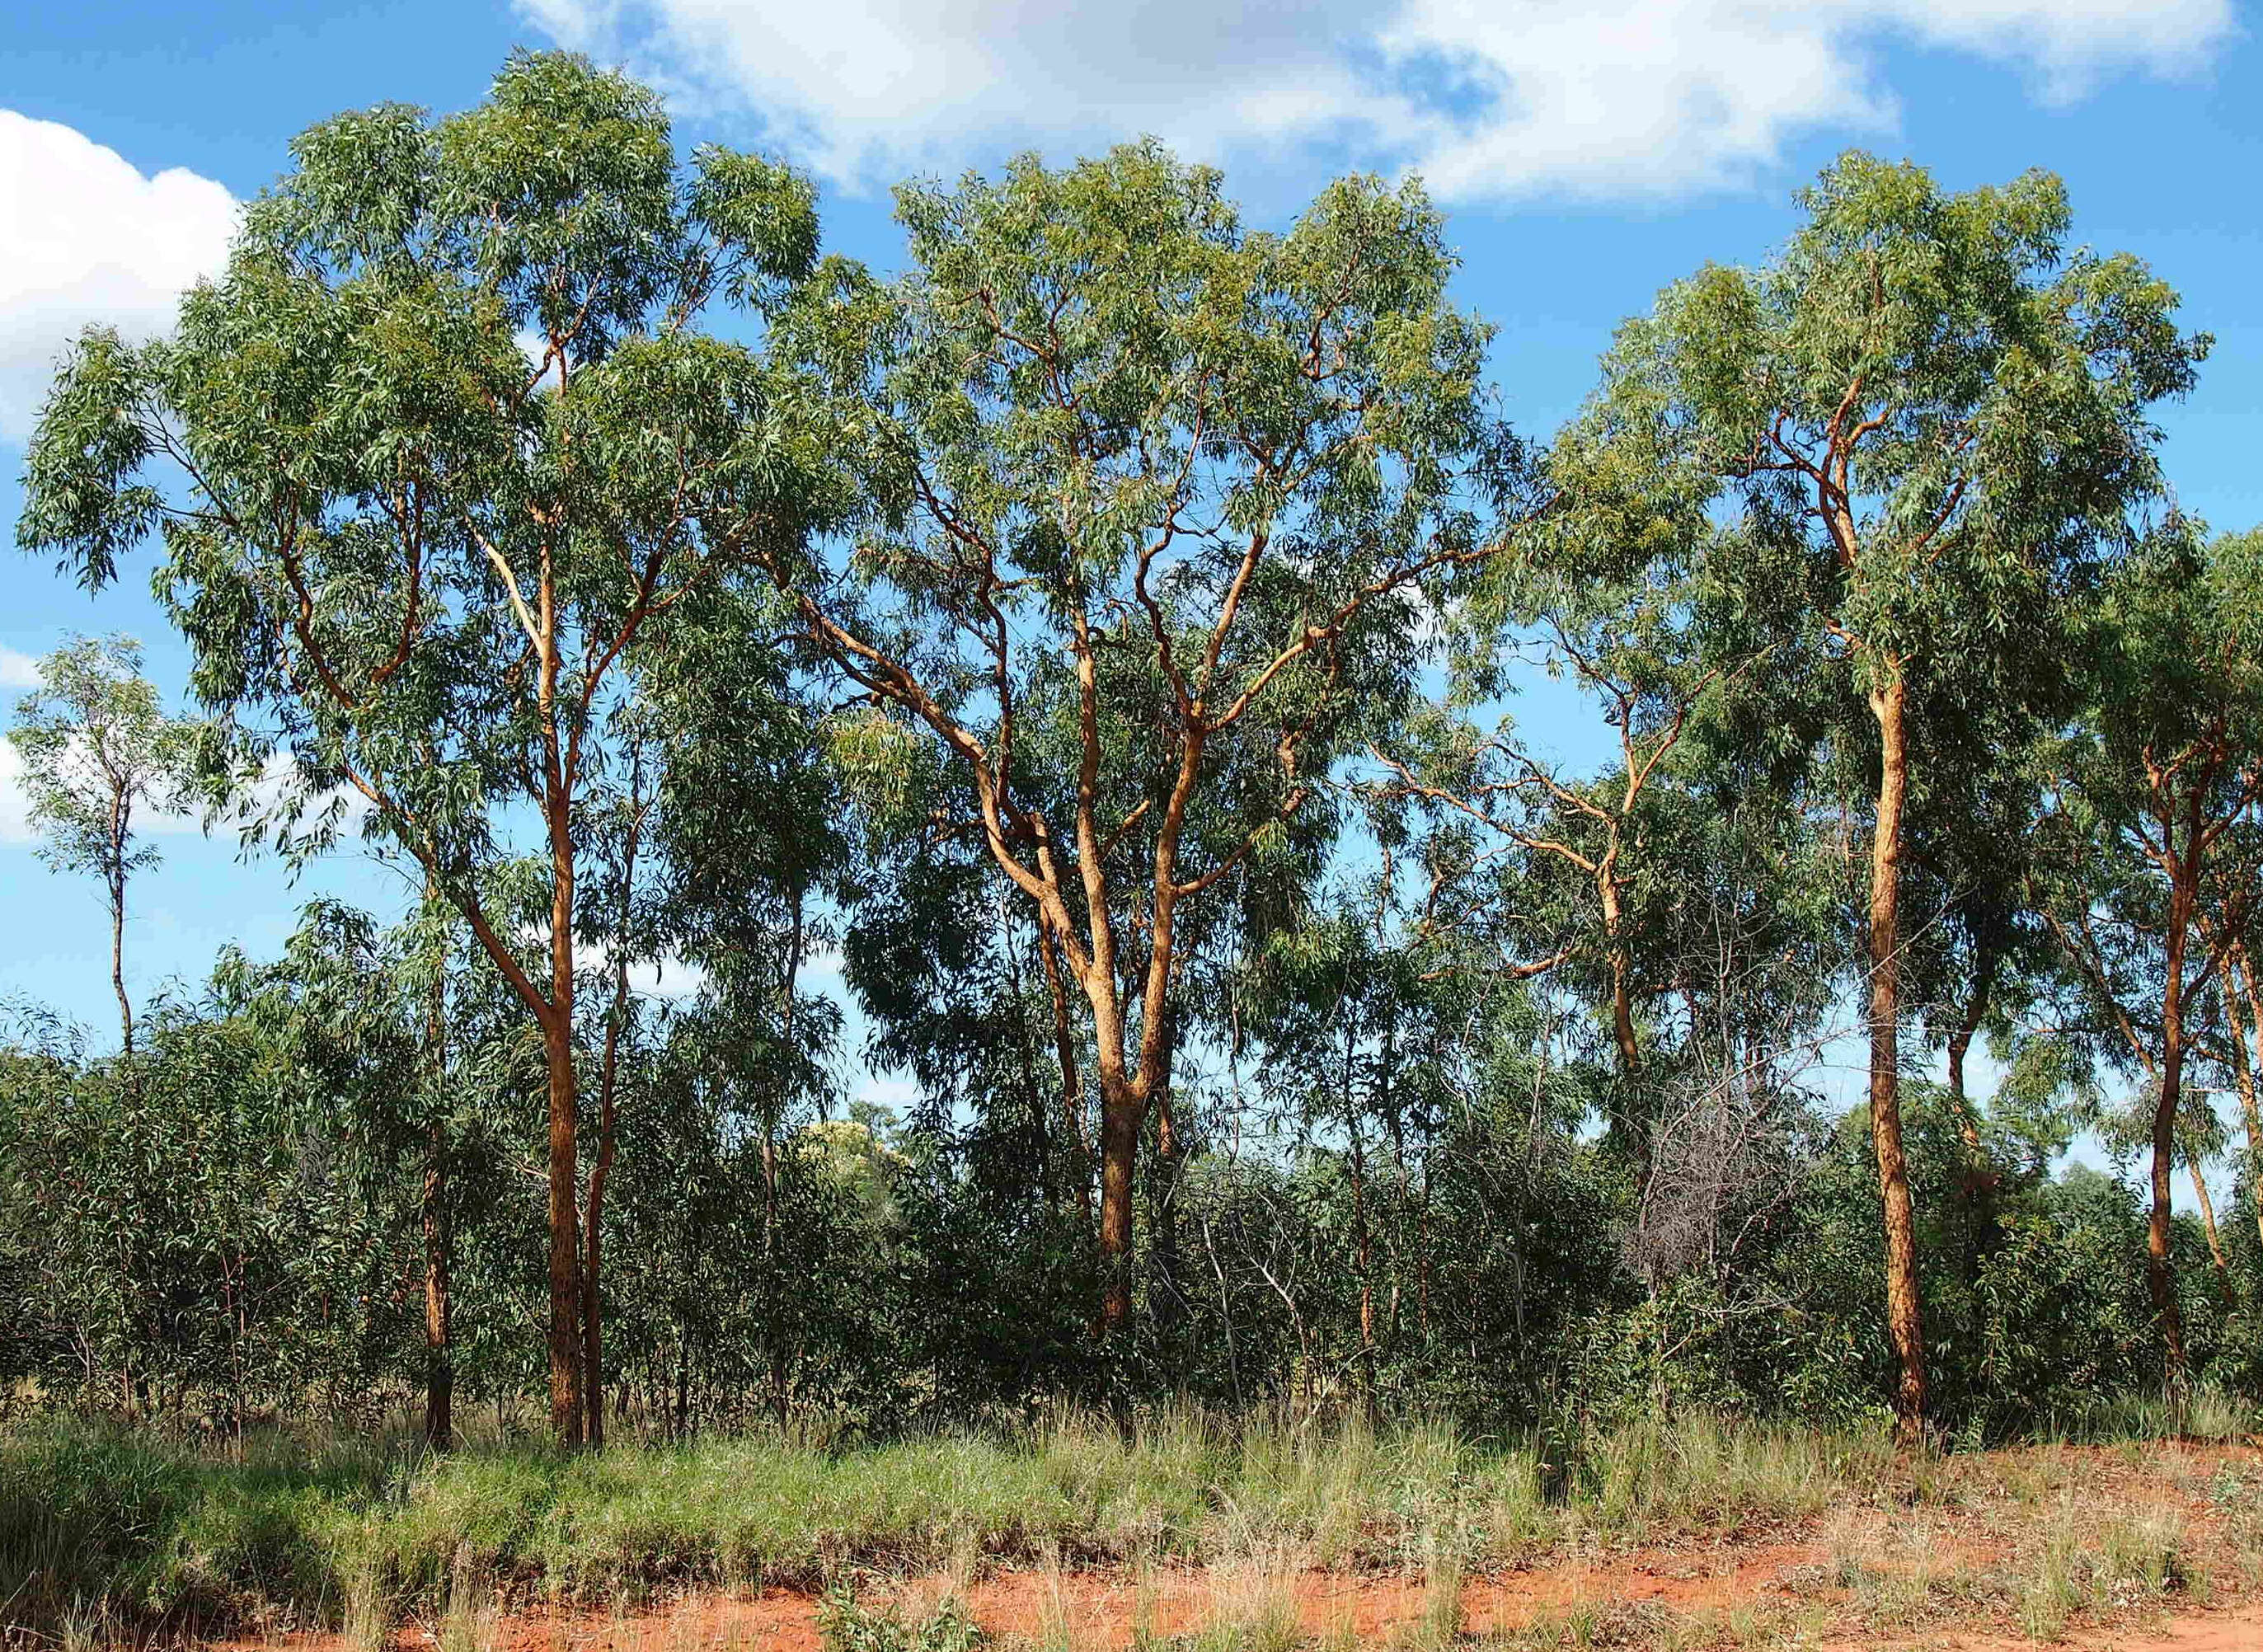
x,y
1165,1218
1905,1322
1960,1043
121,816
1607,888
683,1390
1044,1184
1364,1251
439,1368
593,1344
1422,1242
566,1419
2160,1264
117,965
1976,1180
593,1340
2207,1206
2243,1079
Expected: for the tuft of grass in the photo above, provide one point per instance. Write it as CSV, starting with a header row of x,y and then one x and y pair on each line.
x,y
1058,1629
1705,1473
1253,1605
366,1624
1442,1623
469,1618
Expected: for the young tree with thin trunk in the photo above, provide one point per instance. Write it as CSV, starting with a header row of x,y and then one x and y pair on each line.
x,y
98,749
1154,508
1922,425
439,461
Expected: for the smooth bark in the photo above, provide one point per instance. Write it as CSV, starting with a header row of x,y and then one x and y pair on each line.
x,y
1905,1321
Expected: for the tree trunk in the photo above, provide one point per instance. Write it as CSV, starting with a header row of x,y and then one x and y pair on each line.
x,y
1364,1252
117,965
1904,1324
1121,1114
593,1344
1976,1180
1042,1184
565,1250
1079,1148
440,1369
2208,1225
2243,1079
1607,889
1960,1042
1166,1301
2160,1266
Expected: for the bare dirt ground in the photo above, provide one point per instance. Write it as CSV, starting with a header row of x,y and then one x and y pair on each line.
x,y
2095,1548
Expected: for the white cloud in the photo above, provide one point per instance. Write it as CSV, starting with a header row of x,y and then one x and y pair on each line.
x,y
88,240
18,670
1488,98
670,976
15,808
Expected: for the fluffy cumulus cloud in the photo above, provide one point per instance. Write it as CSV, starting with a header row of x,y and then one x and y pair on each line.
x,y
89,238
1490,99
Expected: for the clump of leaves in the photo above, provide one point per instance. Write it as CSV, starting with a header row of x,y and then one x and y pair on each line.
x,y
845,1624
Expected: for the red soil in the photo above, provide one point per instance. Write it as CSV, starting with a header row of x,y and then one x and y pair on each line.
x,y
1975,1530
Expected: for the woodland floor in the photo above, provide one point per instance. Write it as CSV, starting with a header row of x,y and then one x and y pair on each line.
x,y
2155,1547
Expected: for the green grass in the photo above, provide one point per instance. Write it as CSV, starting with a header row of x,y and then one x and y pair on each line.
x,y
355,1532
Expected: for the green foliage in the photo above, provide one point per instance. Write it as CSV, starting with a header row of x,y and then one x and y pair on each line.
x,y
845,1626
1097,637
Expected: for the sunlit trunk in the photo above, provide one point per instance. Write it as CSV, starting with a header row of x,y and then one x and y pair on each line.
x,y
1904,1314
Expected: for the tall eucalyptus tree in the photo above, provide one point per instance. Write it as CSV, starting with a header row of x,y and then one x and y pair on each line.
x,y
1927,421
1155,509
437,462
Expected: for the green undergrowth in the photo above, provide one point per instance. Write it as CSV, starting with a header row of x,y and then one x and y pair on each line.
x,y
299,1531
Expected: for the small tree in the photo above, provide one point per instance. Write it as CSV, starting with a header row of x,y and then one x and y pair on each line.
x,y
97,748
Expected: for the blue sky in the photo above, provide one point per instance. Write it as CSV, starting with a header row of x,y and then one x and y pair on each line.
x,y
1587,154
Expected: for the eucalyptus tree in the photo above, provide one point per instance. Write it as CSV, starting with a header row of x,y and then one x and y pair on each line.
x,y
97,748
2150,797
1154,511
1925,420
436,461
